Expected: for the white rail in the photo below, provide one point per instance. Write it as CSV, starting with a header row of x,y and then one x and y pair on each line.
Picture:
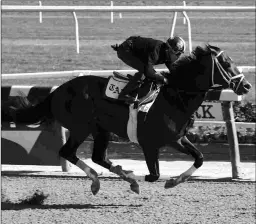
x,y
77,33
88,72
184,9
18,8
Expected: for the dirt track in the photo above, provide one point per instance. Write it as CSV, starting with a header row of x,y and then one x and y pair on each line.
x,y
70,201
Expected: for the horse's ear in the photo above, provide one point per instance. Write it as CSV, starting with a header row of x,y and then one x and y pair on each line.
x,y
202,50
213,49
208,46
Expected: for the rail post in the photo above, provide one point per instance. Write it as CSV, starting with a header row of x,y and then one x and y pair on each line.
x,y
111,13
189,32
40,13
228,115
184,19
77,33
173,24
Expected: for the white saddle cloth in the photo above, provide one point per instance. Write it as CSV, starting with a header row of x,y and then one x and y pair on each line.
x,y
144,106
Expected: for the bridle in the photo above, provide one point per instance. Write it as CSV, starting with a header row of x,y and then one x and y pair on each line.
x,y
225,75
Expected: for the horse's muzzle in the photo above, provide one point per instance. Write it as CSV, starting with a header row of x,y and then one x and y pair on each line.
x,y
242,89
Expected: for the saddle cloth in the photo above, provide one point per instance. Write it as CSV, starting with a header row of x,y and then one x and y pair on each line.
x,y
114,87
144,106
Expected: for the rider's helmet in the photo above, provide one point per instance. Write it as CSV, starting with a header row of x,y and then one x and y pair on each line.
x,y
177,45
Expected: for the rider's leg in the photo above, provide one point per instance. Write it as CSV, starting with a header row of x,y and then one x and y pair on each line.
x,y
124,53
131,86
128,58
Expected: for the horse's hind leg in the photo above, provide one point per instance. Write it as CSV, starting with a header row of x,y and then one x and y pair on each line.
x,y
101,140
68,152
99,156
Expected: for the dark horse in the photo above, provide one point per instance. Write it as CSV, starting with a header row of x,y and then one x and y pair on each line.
x,y
81,106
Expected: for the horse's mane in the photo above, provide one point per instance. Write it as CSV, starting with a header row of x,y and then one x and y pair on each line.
x,y
187,66
184,93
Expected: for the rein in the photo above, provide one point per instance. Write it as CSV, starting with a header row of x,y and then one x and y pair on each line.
x,y
225,75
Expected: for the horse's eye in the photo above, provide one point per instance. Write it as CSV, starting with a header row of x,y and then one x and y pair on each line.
x,y
226,64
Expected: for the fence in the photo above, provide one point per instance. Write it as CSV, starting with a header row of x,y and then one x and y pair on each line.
x,y
87,72
209,111
18,8
183,9
40,146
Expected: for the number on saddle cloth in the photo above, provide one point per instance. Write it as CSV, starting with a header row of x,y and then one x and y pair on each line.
x,y
147,93
115,85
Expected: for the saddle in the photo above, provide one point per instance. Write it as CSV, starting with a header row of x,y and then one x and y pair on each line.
x,y
121,76
146,94
148,91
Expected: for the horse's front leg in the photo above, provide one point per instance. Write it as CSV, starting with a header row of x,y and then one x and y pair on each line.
x,y
99,156
151,153
185,146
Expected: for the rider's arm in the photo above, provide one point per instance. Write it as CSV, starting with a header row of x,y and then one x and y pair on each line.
x,y
168,64
150,72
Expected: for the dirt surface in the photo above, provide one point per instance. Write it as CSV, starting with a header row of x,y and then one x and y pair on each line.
x,y
70,201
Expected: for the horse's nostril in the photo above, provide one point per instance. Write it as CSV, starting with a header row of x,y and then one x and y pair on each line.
x,y
248,86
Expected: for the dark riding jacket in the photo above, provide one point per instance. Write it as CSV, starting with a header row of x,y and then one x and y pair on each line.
x,y
151,52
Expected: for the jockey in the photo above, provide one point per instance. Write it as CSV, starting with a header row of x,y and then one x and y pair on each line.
x,y
142,54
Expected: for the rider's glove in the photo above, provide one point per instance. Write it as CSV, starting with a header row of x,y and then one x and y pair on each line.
x,y
163,76
165,81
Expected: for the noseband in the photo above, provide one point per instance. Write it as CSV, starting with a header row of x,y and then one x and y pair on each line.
x,y
225,75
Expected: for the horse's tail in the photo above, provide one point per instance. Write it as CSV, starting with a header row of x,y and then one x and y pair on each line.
x,y
20,110
115,47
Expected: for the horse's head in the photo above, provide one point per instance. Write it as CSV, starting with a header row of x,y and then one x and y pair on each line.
x,y
225,72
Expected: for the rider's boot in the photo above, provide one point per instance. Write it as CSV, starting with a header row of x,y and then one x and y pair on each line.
x,y
130,87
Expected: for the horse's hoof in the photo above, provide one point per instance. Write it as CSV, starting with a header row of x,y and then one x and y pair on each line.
x,y
95,187
170,183
135,187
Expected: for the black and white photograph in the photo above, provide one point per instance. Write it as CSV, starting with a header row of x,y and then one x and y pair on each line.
x,y
121,112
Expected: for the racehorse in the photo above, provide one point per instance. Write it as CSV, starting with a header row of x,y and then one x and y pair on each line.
x,y
80,106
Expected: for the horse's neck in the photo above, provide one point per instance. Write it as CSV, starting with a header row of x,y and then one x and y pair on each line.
x,y
193,101
181,104
187,76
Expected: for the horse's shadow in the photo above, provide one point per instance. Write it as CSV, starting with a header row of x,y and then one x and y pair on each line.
x,y
15,206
